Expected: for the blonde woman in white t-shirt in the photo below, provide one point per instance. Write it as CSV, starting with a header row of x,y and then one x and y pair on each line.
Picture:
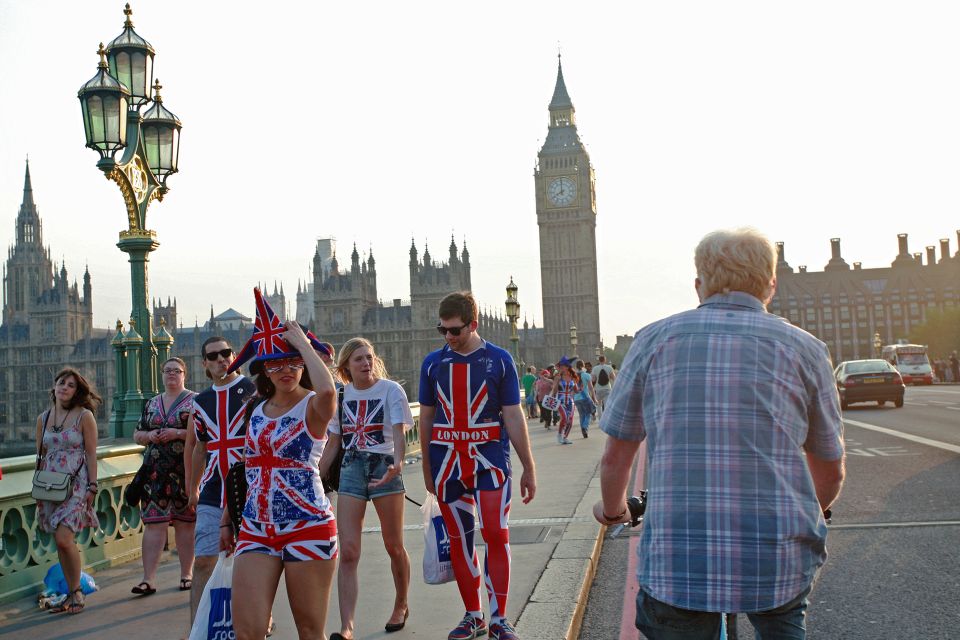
x,y
369,425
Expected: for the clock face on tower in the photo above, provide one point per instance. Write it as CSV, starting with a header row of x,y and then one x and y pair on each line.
x,y
561,191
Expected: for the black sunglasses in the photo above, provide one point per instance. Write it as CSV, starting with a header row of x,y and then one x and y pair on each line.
x,y
454,331
223,353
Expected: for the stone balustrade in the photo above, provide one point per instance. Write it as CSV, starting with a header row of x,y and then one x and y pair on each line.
x,y
27,552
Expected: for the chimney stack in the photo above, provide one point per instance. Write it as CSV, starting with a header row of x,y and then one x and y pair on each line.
x,y
931,255
781,260
903,259
803,268
918,258
944,249
837,263
902,241
856,266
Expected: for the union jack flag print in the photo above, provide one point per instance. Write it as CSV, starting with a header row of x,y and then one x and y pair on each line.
x,y
281,468
363,424
218,418
267,340
472,438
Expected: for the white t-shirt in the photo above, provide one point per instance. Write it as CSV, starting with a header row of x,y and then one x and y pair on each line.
x,y
369,416
596,374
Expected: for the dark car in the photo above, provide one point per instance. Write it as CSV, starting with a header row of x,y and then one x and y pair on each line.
x,y
869,380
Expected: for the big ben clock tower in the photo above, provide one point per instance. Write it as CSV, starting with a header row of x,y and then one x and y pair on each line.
x,y
567,217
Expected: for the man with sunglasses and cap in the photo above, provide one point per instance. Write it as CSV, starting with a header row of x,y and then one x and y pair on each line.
x,y
469,415
215,437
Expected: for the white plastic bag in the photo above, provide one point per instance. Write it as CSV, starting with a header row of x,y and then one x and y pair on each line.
x,y
437,568
214,619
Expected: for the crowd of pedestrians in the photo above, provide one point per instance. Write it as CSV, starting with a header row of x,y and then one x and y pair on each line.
x,y
302,414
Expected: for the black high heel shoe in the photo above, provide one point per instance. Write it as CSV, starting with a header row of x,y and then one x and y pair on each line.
x,y
390,627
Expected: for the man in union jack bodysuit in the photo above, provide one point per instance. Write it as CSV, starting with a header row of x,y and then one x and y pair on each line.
x,y
469,415
215,438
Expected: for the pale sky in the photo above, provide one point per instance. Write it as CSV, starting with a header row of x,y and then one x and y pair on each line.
x,y
377,121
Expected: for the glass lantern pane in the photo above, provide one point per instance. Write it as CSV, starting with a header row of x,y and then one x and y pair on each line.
x,y
138,80
165,139
86,119
111,120
175,151
95,110
148,75
122,63
151,145
123,121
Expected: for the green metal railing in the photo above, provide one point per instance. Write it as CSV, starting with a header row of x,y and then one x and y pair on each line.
x,y
27,552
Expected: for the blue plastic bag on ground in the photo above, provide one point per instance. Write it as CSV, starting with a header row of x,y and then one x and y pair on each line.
x,y
56,583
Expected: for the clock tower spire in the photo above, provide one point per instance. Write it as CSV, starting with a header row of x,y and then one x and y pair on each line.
x,y
567,217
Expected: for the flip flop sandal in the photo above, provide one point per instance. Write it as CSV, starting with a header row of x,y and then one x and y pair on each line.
x,y
185,584
76,606
143,589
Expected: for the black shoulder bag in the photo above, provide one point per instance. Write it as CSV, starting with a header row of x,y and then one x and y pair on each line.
x,y
235,484
331,480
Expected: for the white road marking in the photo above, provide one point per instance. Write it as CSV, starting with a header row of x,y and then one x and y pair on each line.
x,y
881,525
954,408
946,446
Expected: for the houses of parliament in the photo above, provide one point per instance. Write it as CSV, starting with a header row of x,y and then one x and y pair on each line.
x,y
48,321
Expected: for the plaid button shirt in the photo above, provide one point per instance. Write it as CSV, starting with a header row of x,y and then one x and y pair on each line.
x,y
728,398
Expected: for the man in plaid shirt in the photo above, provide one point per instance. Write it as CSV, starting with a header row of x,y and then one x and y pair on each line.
x,y
741,418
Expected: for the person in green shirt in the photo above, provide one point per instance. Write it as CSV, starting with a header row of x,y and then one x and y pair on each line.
x,y
529,394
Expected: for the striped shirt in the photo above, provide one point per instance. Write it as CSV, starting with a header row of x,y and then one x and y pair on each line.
x,y
728,398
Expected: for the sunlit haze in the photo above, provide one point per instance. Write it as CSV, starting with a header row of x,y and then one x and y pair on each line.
x,y
379,122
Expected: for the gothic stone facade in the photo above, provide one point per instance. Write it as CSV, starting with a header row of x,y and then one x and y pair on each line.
x,y
47,324
567,217
845,306
346,305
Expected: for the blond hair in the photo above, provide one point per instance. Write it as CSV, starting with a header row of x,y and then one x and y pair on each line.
x,y
736,260
351,345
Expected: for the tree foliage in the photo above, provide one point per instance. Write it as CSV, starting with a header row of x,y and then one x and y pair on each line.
x,y
941,332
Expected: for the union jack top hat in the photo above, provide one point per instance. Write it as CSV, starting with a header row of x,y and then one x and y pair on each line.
x,y
267,341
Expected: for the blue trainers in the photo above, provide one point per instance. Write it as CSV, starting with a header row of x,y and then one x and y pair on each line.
x,y
503,630
469,628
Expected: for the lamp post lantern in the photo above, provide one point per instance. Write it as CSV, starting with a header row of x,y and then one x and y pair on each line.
x,y
513,314
877,344
573,340
110,103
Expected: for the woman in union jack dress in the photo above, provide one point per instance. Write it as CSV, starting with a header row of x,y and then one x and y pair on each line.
x,y
566,384
369,426
288,525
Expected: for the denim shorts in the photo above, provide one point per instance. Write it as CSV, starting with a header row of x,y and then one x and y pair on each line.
x,y
362,467
207,531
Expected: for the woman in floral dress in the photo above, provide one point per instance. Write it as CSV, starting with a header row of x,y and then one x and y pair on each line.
x,y
67,442
162,430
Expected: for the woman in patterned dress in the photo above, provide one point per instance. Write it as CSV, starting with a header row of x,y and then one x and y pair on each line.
x,y
288,527
566,384
162,430
67,442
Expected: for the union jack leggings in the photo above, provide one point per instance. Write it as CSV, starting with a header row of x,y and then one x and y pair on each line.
x,y
566,418
459,517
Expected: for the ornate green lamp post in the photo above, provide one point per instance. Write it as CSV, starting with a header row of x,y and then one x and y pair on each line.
x,y
111,103
513,314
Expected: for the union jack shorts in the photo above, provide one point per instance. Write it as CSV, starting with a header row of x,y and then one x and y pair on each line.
x,y
292,541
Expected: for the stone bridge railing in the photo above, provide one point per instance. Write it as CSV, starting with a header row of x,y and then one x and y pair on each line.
x,y
27,552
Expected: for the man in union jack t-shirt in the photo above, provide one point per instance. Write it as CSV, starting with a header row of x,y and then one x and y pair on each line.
x,y
215,438
469,414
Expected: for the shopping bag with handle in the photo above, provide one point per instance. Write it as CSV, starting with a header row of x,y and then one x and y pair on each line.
x,y
437,568
214,619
